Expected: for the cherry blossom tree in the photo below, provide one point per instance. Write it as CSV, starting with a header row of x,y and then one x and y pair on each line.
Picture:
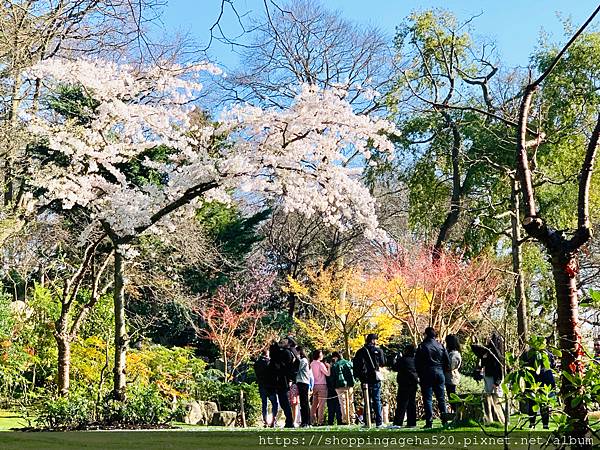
x,y
295,155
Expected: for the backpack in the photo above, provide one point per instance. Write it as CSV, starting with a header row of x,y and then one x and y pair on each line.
x,y
293,366
347,372
339,380
359,367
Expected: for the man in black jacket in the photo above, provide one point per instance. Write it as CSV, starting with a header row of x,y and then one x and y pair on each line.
x,y
408,380
367,362
431,361
266,387
281,367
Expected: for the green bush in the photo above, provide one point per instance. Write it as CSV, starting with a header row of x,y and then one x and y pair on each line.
x,y
144,405
74,411
227,395
6,317
467,385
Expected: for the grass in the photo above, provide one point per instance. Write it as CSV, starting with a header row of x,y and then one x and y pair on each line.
x,y
197,437
10,420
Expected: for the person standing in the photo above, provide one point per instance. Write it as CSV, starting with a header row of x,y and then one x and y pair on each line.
x,y
452,374
334,410
431,360
319,370
303,383
367,363
281,367
408,380
341,372
492,361
543,373
293,393
266,387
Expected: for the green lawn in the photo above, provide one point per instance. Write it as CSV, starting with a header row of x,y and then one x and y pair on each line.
x,y
10,420
196,437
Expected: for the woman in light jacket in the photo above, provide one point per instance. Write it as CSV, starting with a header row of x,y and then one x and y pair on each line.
x,y
320,370
452,374
303,381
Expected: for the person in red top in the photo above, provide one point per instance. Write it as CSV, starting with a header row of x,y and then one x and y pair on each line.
x,y
320,370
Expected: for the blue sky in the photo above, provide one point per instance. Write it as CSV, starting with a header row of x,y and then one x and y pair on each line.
x,y
514,24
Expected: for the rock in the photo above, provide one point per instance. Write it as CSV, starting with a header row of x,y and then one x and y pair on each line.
x,y
210,409
224,419
194,413
199,413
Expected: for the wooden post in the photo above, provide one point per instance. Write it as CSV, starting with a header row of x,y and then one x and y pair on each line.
x,y
347,410
242,410
367,405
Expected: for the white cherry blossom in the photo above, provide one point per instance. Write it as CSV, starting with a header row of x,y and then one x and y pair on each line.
x,y
299,155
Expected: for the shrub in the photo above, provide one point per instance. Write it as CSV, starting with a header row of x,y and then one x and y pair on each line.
x,y
144,405
71,412
227,395
467,385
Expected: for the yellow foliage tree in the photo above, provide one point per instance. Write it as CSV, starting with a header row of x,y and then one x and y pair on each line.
x,y
344,309
404,304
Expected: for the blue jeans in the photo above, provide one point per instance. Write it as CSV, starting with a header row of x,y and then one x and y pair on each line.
x,y
375,396
428,391
272,396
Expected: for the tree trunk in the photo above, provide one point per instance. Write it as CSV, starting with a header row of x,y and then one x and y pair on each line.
x,y
564,269
291,305
517,262
225,366
121,338
64,363
457,190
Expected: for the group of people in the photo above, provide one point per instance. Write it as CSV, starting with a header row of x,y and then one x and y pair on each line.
x,y
286,376
433,367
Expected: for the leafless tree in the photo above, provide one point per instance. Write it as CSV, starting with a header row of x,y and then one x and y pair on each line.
x,y
303,42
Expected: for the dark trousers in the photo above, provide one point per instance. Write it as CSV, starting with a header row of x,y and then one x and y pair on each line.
x,y
544,412
428,391
375,396
406,404
265,395
334,409
451,389
304,404
284,402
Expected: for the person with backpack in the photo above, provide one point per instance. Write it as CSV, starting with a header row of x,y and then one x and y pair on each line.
x,y
266,387
303,381
320,370
431,360
408,381
281,365
367,363
341,373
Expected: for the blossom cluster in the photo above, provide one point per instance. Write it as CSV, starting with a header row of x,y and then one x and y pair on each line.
x,y
305,155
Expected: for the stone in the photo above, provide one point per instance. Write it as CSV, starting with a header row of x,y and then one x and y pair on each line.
x,y
210,409
199,413
194,413
224,419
